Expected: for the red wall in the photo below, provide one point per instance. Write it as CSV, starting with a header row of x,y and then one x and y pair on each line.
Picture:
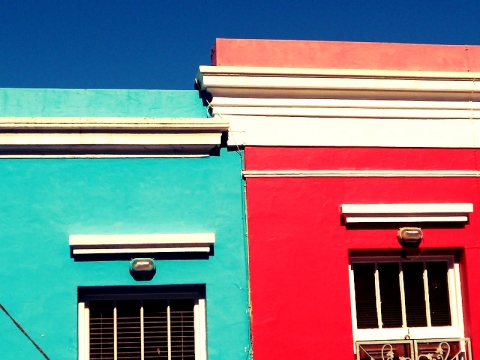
x,y
345,55
299,250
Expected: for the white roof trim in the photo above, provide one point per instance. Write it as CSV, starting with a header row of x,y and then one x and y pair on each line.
x,y
231,81
141,243
109,135
256,71
404,213
345,107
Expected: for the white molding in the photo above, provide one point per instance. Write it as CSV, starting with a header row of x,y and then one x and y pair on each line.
x,y
349,112
89,136
345,107
86,122
404,213
141,243
354,132
319,72
83,341
108,139
343,103
360,173
231,81
403,219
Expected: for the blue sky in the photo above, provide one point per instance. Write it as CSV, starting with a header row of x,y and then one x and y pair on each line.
x,y
147,44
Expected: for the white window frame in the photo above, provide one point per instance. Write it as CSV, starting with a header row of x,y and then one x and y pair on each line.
x,y
456,330
198,311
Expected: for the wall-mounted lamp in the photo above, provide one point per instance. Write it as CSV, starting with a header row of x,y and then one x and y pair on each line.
x,y
142,269
410,236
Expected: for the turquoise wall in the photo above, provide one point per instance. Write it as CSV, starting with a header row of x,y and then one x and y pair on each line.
x,y
61,102
43,201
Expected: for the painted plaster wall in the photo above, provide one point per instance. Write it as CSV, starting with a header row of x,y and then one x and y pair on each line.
x,y
43,201
299,250
345,55
80,102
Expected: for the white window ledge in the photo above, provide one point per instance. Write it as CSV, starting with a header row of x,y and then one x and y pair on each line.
x,y
383,213
145,243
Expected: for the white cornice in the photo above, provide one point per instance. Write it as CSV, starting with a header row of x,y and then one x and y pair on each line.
x,y
406,213
318,72
51,136
111,123
342,107
336,83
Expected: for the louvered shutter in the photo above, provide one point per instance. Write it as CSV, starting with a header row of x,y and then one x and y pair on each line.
x,y
155,324
414,294
390,297
422,284
182,329
365,299
128,330
440,312
161,318
101,330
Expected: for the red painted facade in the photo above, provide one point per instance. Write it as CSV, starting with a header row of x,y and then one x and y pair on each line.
x,y
300,248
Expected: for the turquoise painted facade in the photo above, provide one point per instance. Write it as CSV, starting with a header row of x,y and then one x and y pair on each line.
x,y
43,201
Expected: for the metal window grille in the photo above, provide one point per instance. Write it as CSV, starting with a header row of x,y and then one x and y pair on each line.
x,y
141,329
396,294
440,349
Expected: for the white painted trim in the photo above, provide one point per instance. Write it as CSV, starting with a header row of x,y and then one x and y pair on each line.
x,y
373,87
143,250
336,83
353,132
343,103
82,122
82,331
123,137
404,219
28,139
200,330
361,173
345,107
456,330
349,113
439,208
141,243
457,303
255,71
404,213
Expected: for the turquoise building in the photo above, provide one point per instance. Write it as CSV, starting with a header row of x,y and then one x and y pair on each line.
x,y
91,179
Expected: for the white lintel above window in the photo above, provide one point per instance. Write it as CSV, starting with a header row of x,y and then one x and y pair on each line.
x,y
383,213
141,243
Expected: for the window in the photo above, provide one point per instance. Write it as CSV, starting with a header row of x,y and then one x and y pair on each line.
x,y
417,298
153,324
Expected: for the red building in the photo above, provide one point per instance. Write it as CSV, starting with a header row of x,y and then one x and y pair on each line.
x,y
346,145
